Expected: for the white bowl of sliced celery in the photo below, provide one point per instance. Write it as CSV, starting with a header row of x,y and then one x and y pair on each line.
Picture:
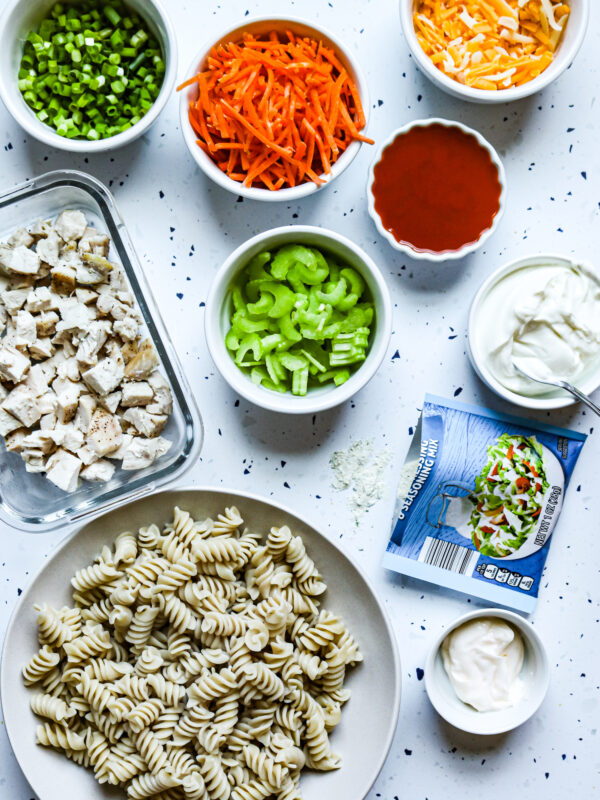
x,y
298,319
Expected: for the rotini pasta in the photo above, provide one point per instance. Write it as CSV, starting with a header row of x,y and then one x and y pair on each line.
x,y
195,664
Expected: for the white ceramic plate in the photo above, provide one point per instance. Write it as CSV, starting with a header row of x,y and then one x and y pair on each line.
x,y
365,733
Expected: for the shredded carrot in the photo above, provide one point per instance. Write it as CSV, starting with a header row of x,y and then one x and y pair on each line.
x,y
490,44
275,111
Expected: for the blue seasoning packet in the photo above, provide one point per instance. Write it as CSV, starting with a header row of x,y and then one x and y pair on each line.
x,y
479,497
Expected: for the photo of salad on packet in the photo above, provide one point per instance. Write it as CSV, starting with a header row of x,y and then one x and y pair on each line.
x,y
478,499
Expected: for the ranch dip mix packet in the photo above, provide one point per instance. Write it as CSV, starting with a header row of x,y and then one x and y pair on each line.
x,y
479,497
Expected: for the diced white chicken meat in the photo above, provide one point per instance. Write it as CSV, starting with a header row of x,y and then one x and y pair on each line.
x,y
13,364
21,260
105,376
70,225
142,452
21,403
92,343
162,402
62,468
101,470
104,434
85,410
95,242
21,237
79,389
147,424
137,393
8,423
48,249
14,299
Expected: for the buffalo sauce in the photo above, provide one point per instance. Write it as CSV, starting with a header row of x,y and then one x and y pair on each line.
x,y
436,188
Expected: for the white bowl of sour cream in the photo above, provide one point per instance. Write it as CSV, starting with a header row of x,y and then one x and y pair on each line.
x,y
543,311
495,661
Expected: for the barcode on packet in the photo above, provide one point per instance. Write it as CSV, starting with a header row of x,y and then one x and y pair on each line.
x,y
448,555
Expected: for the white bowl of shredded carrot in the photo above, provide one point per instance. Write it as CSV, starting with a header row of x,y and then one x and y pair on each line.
x,y
494,51
274,109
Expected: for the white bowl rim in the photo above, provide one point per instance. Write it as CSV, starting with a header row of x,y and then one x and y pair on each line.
x,y
528,632
457,89
425,255
536,403
287,403
291,193
23,115
395,701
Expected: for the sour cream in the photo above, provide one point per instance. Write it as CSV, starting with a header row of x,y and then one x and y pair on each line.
x,y
546,316
483,659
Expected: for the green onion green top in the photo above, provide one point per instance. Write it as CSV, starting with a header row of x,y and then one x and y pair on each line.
x,y
91,70
299,319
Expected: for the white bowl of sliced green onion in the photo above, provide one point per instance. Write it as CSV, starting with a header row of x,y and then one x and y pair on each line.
x,y
298,319
86,76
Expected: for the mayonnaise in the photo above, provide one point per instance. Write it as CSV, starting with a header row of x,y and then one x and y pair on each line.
x,y
545,315
483,659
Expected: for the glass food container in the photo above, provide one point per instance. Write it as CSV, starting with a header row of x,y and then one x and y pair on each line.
x,y
30,501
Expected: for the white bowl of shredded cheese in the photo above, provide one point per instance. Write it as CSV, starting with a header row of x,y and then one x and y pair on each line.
x,y
459,46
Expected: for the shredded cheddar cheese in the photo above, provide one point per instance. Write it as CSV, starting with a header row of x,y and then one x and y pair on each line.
x,y
490,44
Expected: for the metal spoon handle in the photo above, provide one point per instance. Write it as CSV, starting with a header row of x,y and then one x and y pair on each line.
x,y
580,396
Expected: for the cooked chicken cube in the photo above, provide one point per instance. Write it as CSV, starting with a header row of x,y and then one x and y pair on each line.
x,y
85,410
93,342
93,241
34,463
21,237
48,249
127,328
108,305
13,364
86,296
63,279
25,328
67,398
143,452
48,421
14,299
21,403
69,368
46,323
63,469
48,402
41,299
21,260
37,380
142,364
8,423
104,377
70,225
163,399
87,455
43,441
111,401
147,424
119,453
74,316
68,436
104,433
101,470
136,393
41,348
14,440
3,392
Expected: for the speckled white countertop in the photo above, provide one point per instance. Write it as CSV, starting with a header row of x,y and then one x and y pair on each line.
x,y
183,228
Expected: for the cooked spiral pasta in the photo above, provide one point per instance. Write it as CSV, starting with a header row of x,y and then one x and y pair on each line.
x,y
195,664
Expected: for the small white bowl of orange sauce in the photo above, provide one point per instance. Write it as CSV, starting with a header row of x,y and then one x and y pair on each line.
x,y
436,189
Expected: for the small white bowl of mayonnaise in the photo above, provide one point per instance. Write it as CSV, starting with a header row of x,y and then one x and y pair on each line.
x,y
488,672
543,311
